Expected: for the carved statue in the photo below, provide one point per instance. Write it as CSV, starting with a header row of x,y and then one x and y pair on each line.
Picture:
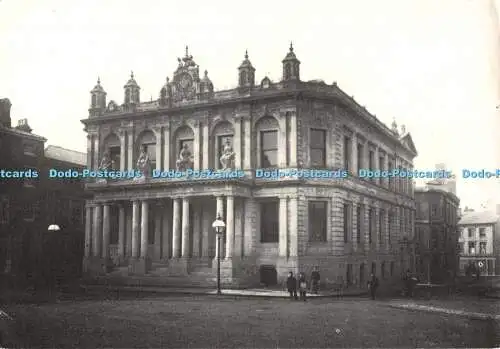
x,y
106,162
227,158
143,162
185,160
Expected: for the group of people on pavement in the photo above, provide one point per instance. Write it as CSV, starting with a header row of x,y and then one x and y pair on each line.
x,y
297,288
293,284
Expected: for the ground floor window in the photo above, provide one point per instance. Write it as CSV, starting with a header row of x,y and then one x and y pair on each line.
x,y
348,275
317,221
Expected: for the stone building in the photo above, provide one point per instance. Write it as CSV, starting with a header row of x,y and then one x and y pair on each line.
x,y
150,226
29,205
479,242
436,234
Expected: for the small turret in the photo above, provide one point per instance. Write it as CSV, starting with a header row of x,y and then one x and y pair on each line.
x,y
291,66
132,91
97,99
246,73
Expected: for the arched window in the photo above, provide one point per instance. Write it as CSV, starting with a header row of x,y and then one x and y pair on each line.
x,y
94,101
127,95
147,141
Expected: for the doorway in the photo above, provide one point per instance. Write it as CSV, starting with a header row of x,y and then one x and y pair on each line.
x,y
268,275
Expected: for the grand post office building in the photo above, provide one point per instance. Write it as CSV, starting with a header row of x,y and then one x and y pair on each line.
x,y
161,228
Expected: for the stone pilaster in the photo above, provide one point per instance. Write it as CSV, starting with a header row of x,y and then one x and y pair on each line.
x,y
130,150
123,150
97,153
159,135
167,236
88,230
229,226
293,237
185,228
247,131
135,228
250,226
206,232
237,143
283,227
354,154
97,231
128,230
89,152
238,228
206,145
197,145
105,231
176,228
166,147
293,140
282,141
144,228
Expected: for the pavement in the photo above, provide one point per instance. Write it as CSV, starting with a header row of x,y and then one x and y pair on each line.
x,y
266,293
444,310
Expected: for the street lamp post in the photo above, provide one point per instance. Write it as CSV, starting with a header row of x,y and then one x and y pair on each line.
x,y
219,226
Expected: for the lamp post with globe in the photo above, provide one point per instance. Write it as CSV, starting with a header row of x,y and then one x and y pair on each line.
x,y
219,226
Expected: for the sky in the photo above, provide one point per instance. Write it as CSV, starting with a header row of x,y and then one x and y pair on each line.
x,y
427,64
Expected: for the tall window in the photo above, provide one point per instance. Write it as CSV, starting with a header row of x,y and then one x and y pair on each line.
x,y
269,221
348,276
470,232
221,143
482,232
381,226
461,247
371,160
371,221
360,157
389,228
482,247
317,220
114,154
381,165
472,248
359,223
318,148
269,149
347,221
347,153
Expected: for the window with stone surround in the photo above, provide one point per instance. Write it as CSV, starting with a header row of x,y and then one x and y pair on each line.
x,y
381,165
317,221
114,154
359,223
371,160
347,154
390,167
269,149
392,219
347,213
381,224
317,148
360,158
221,143
371,224
269,221
472,247
482,248
482,233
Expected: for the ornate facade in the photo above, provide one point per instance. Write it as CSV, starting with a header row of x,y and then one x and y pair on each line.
x,y
347,227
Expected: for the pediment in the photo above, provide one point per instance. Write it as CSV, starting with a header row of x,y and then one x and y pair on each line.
x,y
408,142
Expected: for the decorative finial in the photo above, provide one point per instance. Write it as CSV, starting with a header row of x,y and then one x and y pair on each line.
x,y
246,54
151,98
168,79
206,73
291,46
187,51
131,74
98,80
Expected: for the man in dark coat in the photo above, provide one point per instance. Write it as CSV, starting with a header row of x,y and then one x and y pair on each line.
x,y
291,284
373,285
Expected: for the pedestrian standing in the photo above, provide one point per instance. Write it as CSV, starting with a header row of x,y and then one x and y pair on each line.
x,y
373,285
291,284
302,286
315,278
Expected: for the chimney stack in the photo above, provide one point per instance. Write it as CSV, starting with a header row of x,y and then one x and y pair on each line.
x,y
5,120
23,125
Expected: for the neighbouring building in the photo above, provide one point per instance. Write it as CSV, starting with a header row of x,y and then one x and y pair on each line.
x,y
480,242
348,227
29,205
448,184
436,234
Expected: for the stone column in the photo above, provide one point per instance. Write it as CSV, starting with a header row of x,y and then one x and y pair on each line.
x,y
176,228
197,146
293,244
166,147
206,146
97,153
89,151
293,139
123,151
97,231
247,164
237,143
88,230
239,233
230,227
219,212
196,230
144,228
105,231
166,238
185,228
121,231
158,232
282,141
206,231
283,229
135,228
130,150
